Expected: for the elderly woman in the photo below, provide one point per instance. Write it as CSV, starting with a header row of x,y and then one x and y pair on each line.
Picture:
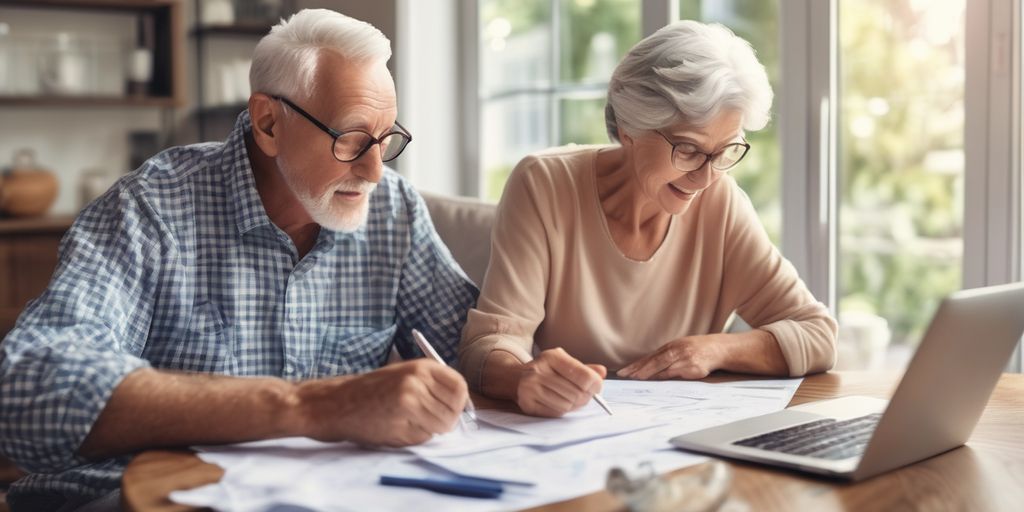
x,y
631,257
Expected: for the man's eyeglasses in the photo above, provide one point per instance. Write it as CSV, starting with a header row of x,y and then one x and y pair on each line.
x,y
687,157
351,145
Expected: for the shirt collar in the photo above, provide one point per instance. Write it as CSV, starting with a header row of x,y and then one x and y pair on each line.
x,y
241,184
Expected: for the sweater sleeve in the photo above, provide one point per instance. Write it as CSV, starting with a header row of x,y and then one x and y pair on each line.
x,y
511,303
769,294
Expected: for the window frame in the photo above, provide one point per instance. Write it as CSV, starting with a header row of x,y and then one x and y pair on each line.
x,y
807,132
992,148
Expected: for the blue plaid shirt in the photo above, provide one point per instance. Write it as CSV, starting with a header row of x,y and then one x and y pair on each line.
x,y
179,267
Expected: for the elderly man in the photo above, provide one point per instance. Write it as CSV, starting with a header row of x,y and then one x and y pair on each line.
x,y
230,292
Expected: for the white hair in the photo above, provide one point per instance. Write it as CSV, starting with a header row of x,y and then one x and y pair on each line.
x,y
284,62
687,72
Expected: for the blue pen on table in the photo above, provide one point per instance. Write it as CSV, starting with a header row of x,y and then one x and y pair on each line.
x,y
468,417
458,486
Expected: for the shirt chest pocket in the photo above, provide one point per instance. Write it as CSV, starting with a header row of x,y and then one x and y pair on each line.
x,y
206,345
353,349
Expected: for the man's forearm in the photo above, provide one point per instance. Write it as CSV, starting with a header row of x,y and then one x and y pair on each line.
x,y
152,408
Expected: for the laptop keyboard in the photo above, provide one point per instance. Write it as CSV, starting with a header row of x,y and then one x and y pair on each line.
x,y
823,439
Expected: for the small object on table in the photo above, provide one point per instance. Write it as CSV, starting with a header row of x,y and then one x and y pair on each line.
x,y
458,486
705,490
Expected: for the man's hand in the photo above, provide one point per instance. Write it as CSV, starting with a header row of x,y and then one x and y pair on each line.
x,y
555,383
689,357
398,405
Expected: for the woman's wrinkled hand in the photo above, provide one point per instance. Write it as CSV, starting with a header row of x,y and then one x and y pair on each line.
x,y
555,383
690,357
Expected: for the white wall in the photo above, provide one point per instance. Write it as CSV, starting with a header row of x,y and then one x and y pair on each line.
x,y
428,84
425,49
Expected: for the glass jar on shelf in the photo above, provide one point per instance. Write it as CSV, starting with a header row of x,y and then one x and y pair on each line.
x,y
75,64
64,67
19,57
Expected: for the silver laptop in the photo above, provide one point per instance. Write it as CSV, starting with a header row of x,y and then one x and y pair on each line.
x,y
934,409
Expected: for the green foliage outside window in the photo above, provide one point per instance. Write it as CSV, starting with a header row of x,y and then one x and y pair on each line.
x,y
900,161
582,20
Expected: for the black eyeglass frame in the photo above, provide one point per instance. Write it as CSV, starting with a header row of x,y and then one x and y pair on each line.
x,y
708,157
335,134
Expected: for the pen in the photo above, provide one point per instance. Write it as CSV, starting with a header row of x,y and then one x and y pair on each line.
x,y
460,486
468,417
604,405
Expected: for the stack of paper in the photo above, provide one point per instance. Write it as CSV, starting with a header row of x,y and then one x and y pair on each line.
x,y
540,460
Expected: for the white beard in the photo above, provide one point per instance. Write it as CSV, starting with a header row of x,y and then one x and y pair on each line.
x,y
332,213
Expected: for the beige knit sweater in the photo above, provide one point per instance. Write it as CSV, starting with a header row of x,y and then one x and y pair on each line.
x,y
556,278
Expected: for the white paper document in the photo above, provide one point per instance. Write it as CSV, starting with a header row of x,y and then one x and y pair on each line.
x,y
501,429
558,458
589,422
459,442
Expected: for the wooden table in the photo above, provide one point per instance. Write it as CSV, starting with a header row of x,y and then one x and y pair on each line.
x,y
987,474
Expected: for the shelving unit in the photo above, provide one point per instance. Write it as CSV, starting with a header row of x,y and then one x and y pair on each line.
x,y
86,101
166,89
242,29
204,36
28,247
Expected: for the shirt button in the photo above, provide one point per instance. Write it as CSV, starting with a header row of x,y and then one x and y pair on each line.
x,y
289,368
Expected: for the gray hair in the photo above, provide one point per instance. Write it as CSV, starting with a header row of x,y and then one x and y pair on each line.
x,y
687,72
284,62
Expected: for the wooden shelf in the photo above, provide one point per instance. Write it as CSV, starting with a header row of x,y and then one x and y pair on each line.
x,y
242,29
86,101
45,224
132,5
167,86
233,109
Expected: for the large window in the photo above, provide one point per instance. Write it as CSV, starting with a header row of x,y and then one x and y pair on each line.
x,y
901,163
544,68
885,173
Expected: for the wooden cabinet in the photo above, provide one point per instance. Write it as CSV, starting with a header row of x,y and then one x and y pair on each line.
x,y
28,256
